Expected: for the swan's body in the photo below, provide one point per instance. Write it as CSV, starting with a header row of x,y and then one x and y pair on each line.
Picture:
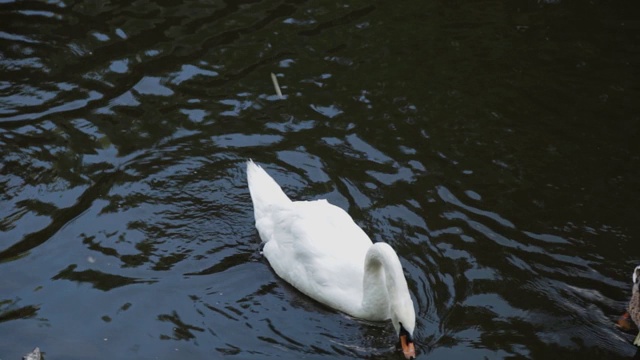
x,y
319,249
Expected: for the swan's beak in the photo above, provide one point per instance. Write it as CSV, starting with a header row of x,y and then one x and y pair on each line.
x,y
408,349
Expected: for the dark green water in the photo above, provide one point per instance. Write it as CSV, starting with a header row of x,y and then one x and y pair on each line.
x,y
494,144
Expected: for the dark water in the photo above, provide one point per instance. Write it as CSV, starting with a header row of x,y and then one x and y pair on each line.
x,y
494,144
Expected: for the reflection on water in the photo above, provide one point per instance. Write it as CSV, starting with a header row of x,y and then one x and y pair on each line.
x,y
495,147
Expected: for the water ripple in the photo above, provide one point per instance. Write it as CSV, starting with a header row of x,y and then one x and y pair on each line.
x,y
483,159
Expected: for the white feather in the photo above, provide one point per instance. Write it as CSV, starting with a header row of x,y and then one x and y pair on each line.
x,y
318,248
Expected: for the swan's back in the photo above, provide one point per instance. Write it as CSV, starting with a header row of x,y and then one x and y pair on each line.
x,y
313,245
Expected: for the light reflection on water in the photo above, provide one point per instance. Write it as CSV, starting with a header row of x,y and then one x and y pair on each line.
x,y
494,147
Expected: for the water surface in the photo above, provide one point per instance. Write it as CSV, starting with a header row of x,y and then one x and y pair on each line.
x,y
493,144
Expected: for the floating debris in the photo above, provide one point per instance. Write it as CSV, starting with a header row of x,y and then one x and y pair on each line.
x,y
276,86
34,355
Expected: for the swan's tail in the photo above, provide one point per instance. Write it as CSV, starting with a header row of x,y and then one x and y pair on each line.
x,y
264,190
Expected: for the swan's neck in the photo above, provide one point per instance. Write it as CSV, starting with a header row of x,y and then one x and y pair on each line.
x,y
384,285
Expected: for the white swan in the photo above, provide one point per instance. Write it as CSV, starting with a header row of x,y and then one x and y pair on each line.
x,y
317,248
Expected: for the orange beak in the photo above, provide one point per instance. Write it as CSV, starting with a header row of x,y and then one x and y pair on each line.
x,y
408,349
625,323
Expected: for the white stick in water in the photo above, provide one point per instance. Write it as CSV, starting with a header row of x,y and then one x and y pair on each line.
x,y
276,86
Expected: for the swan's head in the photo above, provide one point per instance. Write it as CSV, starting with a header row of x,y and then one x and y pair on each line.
x,y
404,321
